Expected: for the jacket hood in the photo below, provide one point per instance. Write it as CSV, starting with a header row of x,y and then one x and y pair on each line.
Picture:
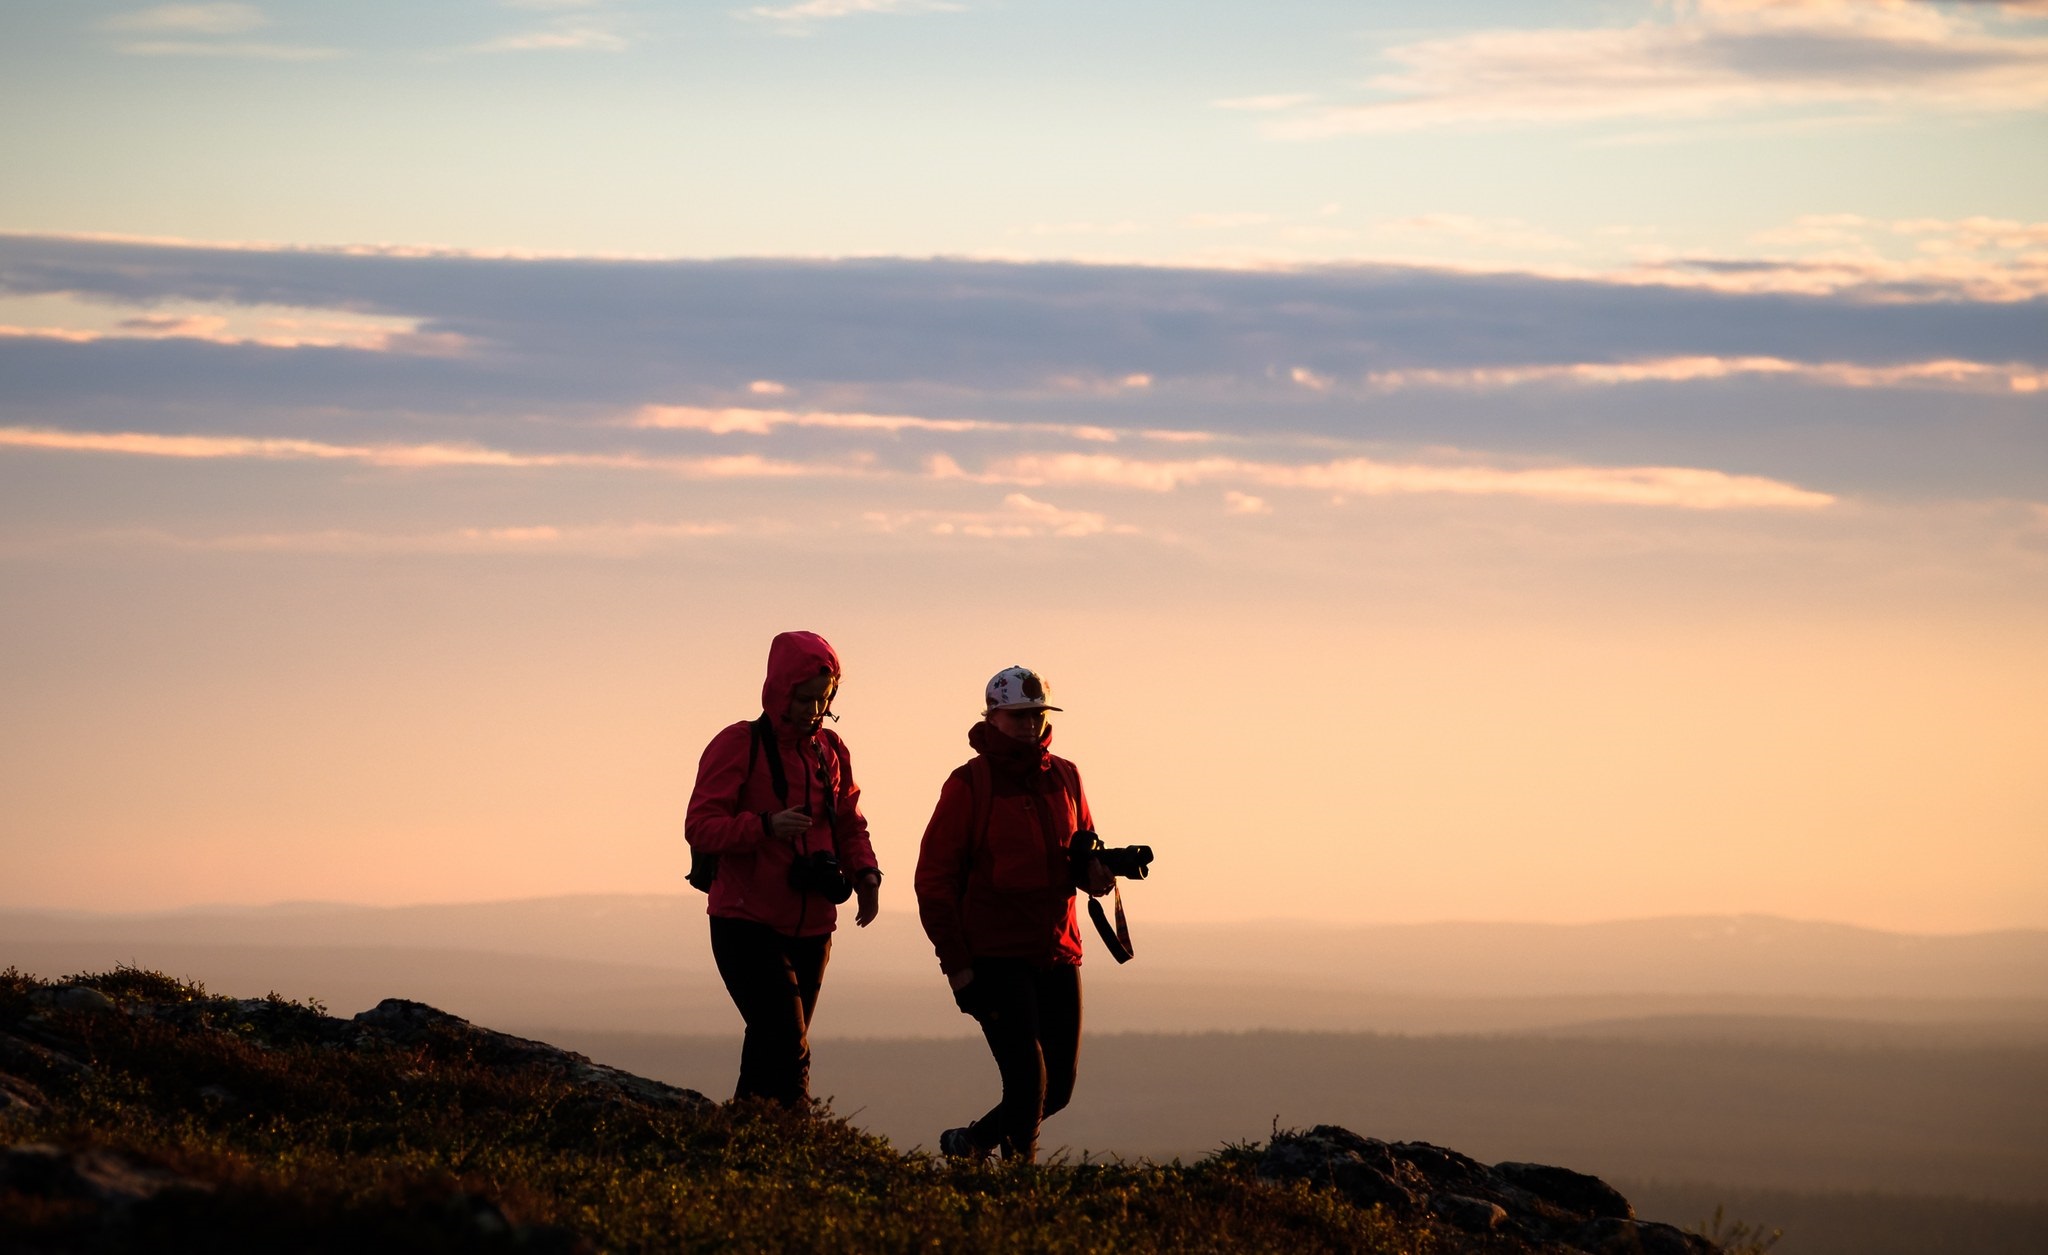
x,y
793,659
1007,750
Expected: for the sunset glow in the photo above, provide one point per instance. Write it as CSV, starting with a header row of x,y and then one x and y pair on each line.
x,y
1563,466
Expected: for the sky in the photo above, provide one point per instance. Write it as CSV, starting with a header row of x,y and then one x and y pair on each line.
x,y
1550,461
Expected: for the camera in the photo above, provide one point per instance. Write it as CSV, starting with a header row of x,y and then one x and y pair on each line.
x,y
819,873
1129,862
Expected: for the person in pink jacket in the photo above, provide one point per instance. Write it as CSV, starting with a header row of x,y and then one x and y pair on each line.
x,y
778,840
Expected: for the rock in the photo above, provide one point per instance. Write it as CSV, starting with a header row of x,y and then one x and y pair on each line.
x,y
1549,1207
1474,1215
84,998
406,1017
1572,1191
1611,1235
415,1023
105,1176
33,1168
1439,1164
20,1097
21,1054
475,1212
1369,1186
217,1096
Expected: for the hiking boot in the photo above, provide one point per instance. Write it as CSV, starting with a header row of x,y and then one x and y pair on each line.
x,y
960,1144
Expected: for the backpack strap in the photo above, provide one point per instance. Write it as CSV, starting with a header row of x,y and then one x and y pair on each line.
x,y
980,789
760,739
764,745
1071,782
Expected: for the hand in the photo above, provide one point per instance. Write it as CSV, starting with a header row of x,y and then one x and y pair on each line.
x,y
867,891
960,979
1100,879
790,823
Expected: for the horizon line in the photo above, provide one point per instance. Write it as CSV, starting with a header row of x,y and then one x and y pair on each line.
x,y
318,905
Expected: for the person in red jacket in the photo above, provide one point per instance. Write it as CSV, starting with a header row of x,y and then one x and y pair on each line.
x,y
995,891
777,838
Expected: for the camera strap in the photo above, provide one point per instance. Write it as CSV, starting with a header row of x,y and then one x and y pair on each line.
x,y
1118,941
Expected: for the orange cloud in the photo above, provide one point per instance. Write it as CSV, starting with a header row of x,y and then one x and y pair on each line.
x,y
408,456
2009,376
273,327
1673,486
604,538
1021,517
759,422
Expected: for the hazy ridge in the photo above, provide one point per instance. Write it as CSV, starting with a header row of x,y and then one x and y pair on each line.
x,y
615,961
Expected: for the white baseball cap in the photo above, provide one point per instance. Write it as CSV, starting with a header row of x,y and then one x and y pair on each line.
x,y
1019,688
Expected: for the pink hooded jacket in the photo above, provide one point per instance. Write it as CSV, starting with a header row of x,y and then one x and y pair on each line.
x,y
735,795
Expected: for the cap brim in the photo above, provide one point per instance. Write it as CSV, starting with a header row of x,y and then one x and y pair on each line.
x,y
1027,706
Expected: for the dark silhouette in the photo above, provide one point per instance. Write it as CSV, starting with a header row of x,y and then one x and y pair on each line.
x,y
778,841
995,889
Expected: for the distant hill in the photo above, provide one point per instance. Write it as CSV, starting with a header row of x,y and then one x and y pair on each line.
x,y
642,963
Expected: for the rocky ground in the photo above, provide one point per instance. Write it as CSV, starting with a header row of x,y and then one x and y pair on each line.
x,y
1550,1208
139,1113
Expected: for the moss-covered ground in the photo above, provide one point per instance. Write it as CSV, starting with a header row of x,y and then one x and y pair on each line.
x,y
288,1129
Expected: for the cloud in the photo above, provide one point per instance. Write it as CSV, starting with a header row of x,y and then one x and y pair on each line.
x,y
1997,377
1508,233
1021,517
1264,104
799,18
183,30
268,326
190,19
230,49
578,37
397,456
612,327
1124,227
603,539
897,360
1984,258
1689,488
1235,502
1684,487
1708,58
1226,221
761,422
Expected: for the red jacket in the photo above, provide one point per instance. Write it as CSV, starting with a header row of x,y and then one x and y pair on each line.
x,y
735,794
1007,890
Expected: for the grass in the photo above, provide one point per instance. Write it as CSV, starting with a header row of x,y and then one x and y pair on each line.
x,y
309,1135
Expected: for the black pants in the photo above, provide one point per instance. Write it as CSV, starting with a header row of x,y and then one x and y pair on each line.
x,y
1031,1015
774,982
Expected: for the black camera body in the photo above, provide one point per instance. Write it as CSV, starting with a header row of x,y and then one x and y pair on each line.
x,y
820,873
1128,862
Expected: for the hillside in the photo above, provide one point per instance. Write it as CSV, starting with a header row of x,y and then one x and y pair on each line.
x,y
139,1113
